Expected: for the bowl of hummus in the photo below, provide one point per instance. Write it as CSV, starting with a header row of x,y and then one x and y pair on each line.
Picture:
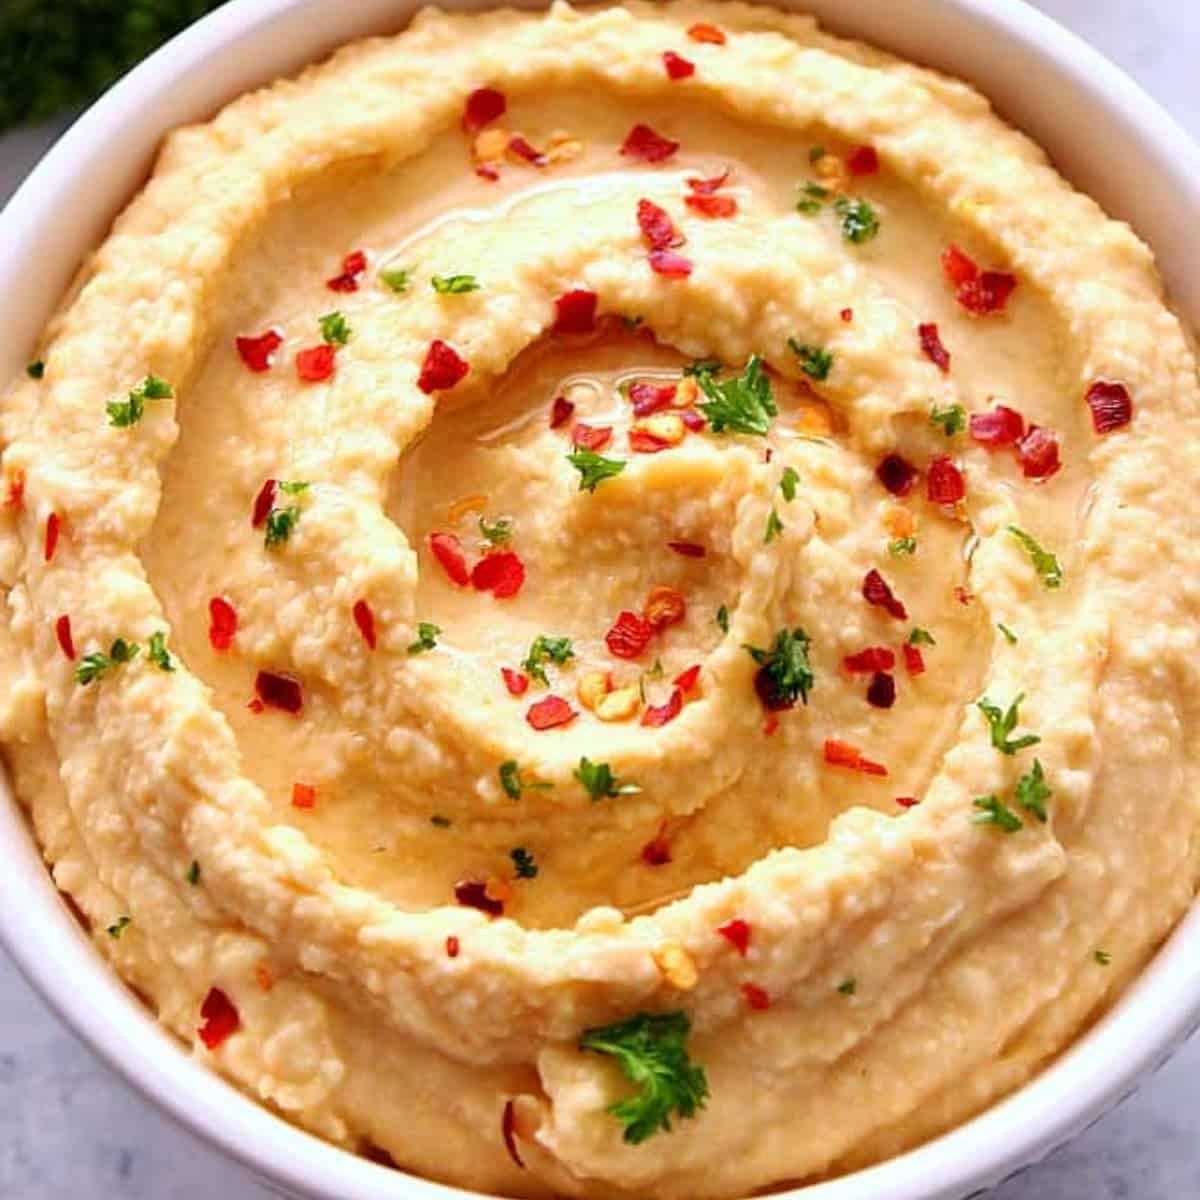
x,y
601,601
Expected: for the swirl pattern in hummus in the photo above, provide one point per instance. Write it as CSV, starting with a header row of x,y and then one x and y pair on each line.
x,y
859,973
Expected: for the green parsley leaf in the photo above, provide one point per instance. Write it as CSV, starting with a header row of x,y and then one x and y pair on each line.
x,y
440,822
774,527
742,404
1044,563
1102,957
454,285
812,199
1002,724
787,664
427,636
92,666
600,783
158,653
514,783
921,637
848,986
788,483
993,811
651,1050
334,329
496,533
815,362
119,926
904,545
723,618
556,649
702,366
123,413
594,468
293,487
523,863
859,222
193,873
1033,792
1009,636
396,278
36,369
816,153
279,525
952,418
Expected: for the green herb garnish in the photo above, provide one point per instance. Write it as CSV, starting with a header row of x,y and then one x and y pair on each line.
x,y
952,419
702,366
427,636
334,329
454,285
774,527
812,199
993,811
848,987
787,665
1102,957
123,413
92,666
859,222
594,468
523,863
556,649
514,783
158,653
193,873
904,545
1033,792
36,369
742,404
815,362
1009,636
1003,723
723,618
1044,563
921,637
600,783
119,926
396,278
788,483
496,533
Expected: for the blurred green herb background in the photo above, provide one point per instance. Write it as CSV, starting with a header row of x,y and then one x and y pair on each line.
x,y
60,54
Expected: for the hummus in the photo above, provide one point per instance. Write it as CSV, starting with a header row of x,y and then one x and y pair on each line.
x,y
628,648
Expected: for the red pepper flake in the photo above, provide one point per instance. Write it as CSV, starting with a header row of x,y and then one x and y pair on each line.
x,y
629,636
907,801
488,171
863,161
517,682
962,595
944,483
914,660
447,549
279,691
842,754
353,265
550,713
876,591
522,149
707,187
220,1019
979,292
501,573
263,503
304,795
703,32
847,315
561,412
756,997
452,946
259,352
508,1129
1000,426
317,363
693,420
62,631
1037,452
677,66
897,474
870,660
657,851
685,681
670,264
644,143
688,549
737,934
771,724
15,496
657,715
222,623
53,527
364,618
442,369
881,691
591,437
473,893
1111,405
657,227
575,312
712,206
484,105
649,398
931,344
256,706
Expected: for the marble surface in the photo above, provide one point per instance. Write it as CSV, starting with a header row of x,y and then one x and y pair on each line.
x,y
69,1127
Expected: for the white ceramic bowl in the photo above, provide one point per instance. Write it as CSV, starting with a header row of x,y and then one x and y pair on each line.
x,y
1105,134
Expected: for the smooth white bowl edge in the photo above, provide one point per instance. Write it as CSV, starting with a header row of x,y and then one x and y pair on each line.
x,y
1103,132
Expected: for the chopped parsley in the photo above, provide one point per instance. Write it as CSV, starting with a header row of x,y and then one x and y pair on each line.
x,y
454,285
788,483
193,873
952,418
281,521
594,468
396,278
1033,792
523,863
774,527
36,369
812,198
600,783
1044,563
859,221
92,666
496,533
427,636
1003,723
702,366
904,545
723,618
742,404
119,926
993,811
556,649
158,653
921,637
439,822
1009,636
816,153
787,664
1102,957
815,362
651,1050
334,329
123,413
848,986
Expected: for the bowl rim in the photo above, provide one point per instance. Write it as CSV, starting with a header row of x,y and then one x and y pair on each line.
x,y
1153,1016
